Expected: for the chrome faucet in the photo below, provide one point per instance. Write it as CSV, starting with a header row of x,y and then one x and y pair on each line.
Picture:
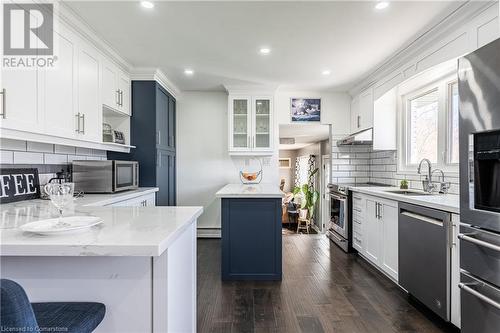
x,y
427,184
444,186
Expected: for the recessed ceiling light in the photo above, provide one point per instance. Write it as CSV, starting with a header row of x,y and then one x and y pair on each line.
x,y
188,71
265,50
382,5
326,72
147,4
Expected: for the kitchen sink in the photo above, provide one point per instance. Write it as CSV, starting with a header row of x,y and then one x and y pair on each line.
x,y
409,192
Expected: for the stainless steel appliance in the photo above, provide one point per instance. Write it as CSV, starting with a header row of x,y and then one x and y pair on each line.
x,y
424,238
479,93
340,227
105,176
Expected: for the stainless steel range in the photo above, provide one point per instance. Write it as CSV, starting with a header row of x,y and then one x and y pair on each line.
x,y
340,226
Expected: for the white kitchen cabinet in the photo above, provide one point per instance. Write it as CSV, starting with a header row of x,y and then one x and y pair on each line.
x,y
21,105
375,232
89,115
115,88
59,88
384,121
455,272
250,125
362,111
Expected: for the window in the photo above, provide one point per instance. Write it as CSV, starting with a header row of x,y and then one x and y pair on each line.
x,y
430,124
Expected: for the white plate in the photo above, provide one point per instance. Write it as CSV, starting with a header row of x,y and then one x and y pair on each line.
x,y
66,224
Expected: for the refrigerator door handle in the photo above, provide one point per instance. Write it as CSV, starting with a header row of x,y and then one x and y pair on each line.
x,y
467,238
465,287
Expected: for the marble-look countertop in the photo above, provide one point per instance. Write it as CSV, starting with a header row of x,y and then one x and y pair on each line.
x,y
250,191
105,199
126,231
447,202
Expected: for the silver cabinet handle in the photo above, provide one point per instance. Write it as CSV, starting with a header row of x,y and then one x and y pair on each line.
x,y
77,116
117,99
465,287
359,121
467,238
158,137
4,104
121,97
376,210
379,210
83,121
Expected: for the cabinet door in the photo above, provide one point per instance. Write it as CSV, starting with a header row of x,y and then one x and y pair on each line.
x,y
384,121
262,124
109,85
60,88
240,123
366,109
355,117
455,272
88,94
371,234
162,119
21,103
171,122
165,178
389,213
124,94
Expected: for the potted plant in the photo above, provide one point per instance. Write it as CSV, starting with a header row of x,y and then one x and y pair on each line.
x,y
308,194
403,184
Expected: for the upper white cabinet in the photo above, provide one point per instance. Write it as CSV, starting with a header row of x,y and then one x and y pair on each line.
x,y
250,124
115,88
384,121
362,111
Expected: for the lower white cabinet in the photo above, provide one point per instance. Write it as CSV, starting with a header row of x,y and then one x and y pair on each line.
x,y
455,272
375,232
148,200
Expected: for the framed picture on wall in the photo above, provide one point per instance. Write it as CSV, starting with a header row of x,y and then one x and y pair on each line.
x,y
305,109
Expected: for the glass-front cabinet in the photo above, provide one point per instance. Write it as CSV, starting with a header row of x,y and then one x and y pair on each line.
x,y
250,124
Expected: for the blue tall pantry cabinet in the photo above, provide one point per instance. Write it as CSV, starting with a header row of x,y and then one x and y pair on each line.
x,y
153,132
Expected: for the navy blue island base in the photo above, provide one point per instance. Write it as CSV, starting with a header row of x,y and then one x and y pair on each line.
x,y
251,239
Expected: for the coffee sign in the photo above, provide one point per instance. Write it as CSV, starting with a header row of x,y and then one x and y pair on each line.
x,y
19,184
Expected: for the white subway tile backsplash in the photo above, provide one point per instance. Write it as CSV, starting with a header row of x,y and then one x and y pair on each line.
x,y
55,159
59,149
72,158
83,151
6,157
9,144
40,147
22,157
346,167
338,161
95,158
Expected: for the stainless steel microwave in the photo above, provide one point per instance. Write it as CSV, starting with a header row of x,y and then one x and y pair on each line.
x,y
105,176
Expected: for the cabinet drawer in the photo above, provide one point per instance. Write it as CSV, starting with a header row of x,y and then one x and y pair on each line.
x,y
357,227
357,241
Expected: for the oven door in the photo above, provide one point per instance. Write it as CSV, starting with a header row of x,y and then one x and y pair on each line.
x,y
339,214
126,175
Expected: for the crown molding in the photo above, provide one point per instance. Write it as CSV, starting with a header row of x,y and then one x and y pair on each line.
x,y
257,88
76,22
155,74
403,57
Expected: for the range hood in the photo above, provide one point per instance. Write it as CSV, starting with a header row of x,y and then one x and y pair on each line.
x,y
364,137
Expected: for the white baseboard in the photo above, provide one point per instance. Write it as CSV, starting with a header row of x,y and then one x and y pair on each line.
x,y
208,233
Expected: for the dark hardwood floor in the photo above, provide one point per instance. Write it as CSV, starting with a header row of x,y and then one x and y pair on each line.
x,y
323,290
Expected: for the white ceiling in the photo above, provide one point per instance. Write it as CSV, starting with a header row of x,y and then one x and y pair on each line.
x,y
304,134
220,40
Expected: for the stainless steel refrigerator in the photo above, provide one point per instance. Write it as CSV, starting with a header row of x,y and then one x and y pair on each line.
x,y
479,91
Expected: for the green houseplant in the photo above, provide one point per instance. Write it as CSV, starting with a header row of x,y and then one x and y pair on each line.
x,y
403,184
308,194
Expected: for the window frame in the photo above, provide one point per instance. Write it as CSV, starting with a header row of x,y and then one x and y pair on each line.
x,y
417,88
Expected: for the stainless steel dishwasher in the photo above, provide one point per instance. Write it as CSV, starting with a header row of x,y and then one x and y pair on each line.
x,y
424,256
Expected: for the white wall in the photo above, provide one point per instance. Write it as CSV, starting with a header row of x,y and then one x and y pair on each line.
x,y
203,163
335,108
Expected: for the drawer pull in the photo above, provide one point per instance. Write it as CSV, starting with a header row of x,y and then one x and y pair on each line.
x,y
467,238
465,287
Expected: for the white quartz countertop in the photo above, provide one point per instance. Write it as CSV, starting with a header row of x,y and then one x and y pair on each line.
x,y
250,191
125,231
446,202
111,198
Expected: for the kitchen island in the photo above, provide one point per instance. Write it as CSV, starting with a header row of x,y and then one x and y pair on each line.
x,y
140,262
251,232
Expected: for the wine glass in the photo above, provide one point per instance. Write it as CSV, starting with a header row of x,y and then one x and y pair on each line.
x,y
60,195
